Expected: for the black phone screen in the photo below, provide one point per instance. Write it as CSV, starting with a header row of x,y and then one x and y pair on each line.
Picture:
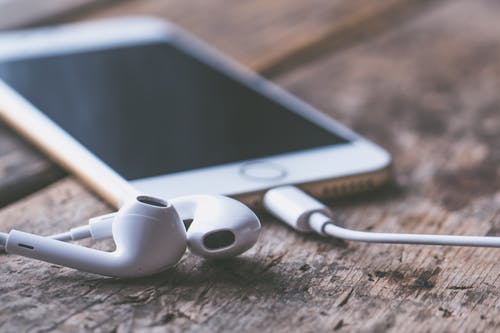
x,y
153,109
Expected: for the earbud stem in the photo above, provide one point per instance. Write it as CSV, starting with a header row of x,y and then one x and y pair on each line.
x,y
100,227
60,253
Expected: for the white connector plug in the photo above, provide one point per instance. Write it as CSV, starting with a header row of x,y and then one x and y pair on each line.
x,y
297,209
99,227
304,213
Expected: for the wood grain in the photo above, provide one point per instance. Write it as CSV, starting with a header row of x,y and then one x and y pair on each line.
x,y
23,170
21,13
428,91
260,34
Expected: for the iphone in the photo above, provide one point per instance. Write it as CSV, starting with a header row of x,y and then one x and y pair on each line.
x,y
137,104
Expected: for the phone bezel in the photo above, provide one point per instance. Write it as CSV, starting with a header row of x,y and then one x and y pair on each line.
x,y
359,156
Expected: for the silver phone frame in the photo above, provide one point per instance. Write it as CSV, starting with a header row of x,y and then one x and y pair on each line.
x,y
352,159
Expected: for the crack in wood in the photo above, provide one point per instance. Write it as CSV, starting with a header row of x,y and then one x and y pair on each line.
x,y
460,287
344,297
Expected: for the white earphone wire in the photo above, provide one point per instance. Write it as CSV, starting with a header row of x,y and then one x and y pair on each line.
x,y
304,213
329,228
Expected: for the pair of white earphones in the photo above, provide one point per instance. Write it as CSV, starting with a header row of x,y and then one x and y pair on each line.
x,y
150,235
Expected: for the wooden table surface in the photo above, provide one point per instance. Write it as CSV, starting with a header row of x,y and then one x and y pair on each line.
x,y
421,78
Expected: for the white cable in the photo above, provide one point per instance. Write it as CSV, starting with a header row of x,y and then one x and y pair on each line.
x,y
304,213
98,228
330,229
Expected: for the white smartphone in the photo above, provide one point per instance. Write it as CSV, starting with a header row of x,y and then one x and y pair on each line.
x,y
136,104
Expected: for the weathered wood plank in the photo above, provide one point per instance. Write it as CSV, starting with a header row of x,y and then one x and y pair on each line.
x,y
258,33
22,169
20,13
262,33
428,92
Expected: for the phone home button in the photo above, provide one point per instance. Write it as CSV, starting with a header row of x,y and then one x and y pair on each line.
x,y
261,170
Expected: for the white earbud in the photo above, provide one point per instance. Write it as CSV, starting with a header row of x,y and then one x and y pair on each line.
x,y
222,227
149,234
